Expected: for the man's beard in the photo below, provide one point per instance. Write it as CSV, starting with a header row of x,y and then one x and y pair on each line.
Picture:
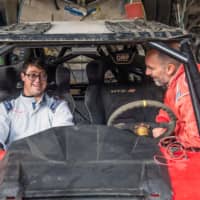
x,y
159,83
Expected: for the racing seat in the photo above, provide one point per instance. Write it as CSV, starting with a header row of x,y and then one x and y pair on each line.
x,y
62,79
95,72
103,99
9,81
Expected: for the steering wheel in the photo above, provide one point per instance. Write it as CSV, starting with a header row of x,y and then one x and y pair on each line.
x,y
144,128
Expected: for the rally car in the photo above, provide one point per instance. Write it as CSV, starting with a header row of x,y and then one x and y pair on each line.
x,y
98,68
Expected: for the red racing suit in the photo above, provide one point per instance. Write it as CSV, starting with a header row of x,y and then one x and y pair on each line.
x,y
177,98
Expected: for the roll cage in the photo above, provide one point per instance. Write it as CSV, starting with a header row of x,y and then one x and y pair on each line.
x,y
69,35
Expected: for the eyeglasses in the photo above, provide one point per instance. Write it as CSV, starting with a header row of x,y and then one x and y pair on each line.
x,y
33,76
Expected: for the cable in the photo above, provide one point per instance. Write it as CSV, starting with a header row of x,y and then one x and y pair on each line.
x,y
173,151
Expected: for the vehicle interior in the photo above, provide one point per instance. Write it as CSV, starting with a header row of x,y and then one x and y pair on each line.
x,y
96,76
93,93
106,79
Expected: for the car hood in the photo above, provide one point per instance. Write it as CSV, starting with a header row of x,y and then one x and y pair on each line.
x,y
83,161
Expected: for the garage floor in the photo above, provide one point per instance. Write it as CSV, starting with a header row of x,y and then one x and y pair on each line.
x,y
45,10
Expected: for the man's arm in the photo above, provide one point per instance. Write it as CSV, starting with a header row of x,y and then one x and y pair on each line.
x,y
186,128
186,124
4,126
161,117
62,115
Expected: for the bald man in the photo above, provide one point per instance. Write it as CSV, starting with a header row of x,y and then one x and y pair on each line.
x,y
169,73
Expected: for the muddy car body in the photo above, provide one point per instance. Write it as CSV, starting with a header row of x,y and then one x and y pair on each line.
x,y
94,159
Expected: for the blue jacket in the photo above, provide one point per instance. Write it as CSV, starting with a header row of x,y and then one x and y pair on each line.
x,y
23,116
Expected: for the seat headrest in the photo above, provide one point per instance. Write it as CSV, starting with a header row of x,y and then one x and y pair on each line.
x,y
95,72
9,78
62,77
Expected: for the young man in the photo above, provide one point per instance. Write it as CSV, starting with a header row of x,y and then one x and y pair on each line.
x,y
33,111
169,73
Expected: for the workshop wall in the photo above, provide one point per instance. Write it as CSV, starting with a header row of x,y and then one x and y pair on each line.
x,y
45,10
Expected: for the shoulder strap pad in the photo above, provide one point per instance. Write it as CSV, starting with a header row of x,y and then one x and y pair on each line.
x,y
54,104
8,105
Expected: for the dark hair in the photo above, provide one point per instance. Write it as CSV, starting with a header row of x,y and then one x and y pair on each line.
x,y
164,57
36,62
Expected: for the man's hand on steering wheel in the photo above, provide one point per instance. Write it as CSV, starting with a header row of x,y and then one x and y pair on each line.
x,y
157,132
152,129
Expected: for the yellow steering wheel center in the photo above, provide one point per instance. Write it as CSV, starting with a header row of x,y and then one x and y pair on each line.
x,y
141,130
